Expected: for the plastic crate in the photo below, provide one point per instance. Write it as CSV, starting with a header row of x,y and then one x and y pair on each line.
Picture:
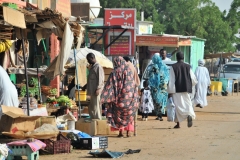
x,y
62,145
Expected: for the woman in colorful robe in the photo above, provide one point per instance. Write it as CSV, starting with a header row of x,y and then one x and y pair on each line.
x,y
158,81
121,97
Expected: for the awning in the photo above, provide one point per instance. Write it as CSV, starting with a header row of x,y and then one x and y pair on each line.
x,y
30,71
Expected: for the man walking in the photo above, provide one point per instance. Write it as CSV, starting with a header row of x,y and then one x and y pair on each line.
x,y
204,82
180,85
95,84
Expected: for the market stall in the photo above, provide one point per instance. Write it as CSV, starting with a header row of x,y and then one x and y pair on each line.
x,y
191,46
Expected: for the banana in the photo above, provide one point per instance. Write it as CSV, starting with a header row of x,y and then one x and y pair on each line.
x,y
1,47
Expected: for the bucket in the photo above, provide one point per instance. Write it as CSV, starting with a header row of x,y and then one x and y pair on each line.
x,y
212,88
71,125
83,95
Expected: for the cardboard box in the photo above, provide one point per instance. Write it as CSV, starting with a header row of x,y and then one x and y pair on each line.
x,y
89,143
14,17
88,126
14,120
46,120
104,129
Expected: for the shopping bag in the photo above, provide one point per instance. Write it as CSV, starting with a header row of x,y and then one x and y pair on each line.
x,y
170,110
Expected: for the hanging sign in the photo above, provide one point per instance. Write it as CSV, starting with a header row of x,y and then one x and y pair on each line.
x,y
123,17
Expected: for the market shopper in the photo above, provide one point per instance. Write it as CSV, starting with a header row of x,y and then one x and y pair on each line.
x,y
204,82
121,97
134,71
180,85
8,92
163,54
95,85
158,80
146,103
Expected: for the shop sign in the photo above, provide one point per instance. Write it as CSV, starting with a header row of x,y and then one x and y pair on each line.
x,y
184,42
121,46
123,17
156,41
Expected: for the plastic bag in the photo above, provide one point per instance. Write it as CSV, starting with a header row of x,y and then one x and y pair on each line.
x,y
170,110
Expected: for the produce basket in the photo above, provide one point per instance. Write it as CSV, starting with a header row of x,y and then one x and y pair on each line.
x,y
62,145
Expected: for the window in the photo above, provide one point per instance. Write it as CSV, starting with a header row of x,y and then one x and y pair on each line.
x,y
231,69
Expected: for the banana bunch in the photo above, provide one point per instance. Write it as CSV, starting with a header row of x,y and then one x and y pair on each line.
x,y
5,45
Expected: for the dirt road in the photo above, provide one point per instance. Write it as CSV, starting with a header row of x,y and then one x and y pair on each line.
x,y
215,135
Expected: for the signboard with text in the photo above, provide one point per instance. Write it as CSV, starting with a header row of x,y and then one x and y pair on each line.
x,y
124,17
121,46
157,41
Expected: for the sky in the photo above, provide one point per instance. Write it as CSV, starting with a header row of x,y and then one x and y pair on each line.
x,y
223,4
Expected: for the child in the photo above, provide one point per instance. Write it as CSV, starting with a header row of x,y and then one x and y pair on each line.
x,y
146,101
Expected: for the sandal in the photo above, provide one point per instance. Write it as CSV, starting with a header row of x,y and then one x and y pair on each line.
x,y
189,120
120,136
177,126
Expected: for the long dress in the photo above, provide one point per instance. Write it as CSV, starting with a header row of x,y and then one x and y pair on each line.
x,y
158,80
120,94
181,100
204,81
146,105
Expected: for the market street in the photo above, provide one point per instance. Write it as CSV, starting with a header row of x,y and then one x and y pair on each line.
x,y
214,135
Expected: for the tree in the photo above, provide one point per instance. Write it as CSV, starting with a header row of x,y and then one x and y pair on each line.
x,y
201,18
217,31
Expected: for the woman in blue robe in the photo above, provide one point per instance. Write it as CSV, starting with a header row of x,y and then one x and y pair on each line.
x,y
158,81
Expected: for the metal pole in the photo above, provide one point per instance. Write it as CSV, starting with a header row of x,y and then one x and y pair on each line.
x,y
79,103
39,86
25,68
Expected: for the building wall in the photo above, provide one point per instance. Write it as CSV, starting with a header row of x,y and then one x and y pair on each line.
x,y
197,52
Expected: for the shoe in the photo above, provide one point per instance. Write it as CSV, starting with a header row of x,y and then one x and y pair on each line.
x,y
157,118
160,119
189,120
146,119
143,119
177,126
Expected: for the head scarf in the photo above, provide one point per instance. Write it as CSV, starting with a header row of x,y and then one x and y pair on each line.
x,y
158,80
201,62
121,94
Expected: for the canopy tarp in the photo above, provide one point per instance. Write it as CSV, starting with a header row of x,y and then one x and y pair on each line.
x,y
81,55
30,71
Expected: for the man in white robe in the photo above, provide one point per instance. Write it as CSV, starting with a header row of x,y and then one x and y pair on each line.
x,y
181,82
204,82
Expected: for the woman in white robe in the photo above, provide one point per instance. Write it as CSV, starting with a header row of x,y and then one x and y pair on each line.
x,y
204,81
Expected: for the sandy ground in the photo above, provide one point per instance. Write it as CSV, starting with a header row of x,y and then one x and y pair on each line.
x,y
215,135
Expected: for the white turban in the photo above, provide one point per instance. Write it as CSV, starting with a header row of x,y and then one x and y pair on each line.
x,y
201,62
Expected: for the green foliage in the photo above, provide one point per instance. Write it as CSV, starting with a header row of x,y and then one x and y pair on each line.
x,y
63,99
201,18
53,91
33,81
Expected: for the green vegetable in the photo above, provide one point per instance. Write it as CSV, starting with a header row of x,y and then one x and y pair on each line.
x,y
53,91
63,99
